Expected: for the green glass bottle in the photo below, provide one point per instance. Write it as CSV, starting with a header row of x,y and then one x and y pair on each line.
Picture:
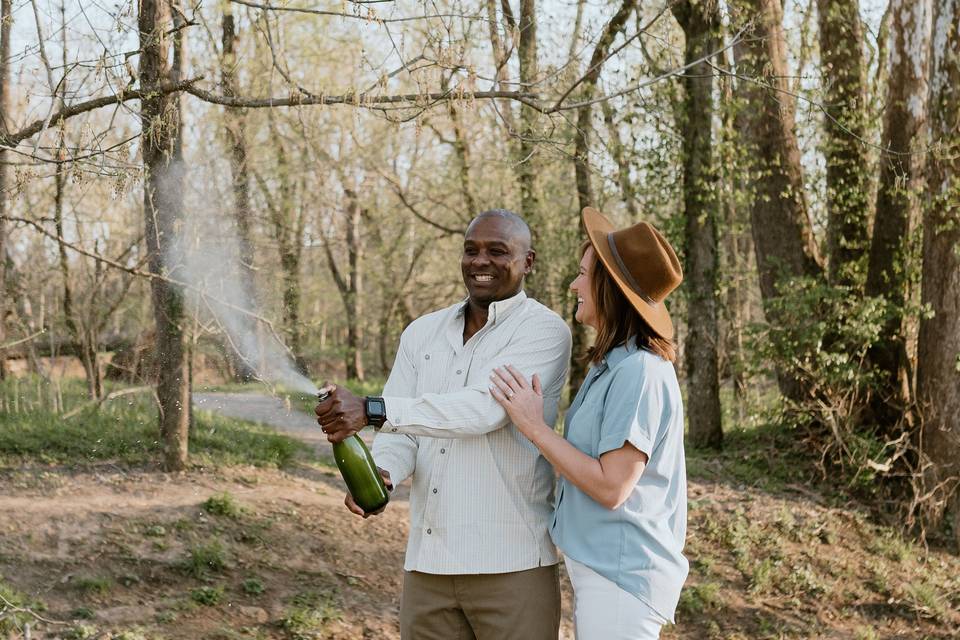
x,y
359,472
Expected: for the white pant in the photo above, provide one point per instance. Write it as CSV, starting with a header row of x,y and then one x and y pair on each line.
x,y
604,611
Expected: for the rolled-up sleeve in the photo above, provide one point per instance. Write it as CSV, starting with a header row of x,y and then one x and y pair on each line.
x,y
632,410
541,347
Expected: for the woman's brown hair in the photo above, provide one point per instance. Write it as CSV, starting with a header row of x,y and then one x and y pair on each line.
x,y
618,320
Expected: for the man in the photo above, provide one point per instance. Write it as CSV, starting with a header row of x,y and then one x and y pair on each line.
x,y
479,562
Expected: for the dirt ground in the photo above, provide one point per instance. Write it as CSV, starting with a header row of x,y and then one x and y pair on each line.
x,y
135,553
63,533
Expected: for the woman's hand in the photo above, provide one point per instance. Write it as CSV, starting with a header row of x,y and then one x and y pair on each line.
x,y
522,401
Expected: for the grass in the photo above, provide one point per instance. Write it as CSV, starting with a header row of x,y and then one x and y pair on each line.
x,y
11,598
309,614
122,430
223,504
207,596
253,587
765,457
93,585
205,558
925,599
697,598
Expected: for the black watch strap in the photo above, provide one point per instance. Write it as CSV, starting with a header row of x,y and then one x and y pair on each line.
x,y
376,410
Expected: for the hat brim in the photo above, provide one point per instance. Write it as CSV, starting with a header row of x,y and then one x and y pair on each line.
x,y
598,229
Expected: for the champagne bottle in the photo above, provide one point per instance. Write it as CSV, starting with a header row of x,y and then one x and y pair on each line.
x,y
359,472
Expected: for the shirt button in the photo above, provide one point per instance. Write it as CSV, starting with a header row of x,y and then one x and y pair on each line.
x,y
393,429
429,531
426,357
459,371
434,490
443,450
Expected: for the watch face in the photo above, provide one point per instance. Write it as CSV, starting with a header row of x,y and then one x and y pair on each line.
x,y
376,407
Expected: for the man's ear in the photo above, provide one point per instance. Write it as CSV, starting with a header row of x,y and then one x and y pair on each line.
x,y
531,258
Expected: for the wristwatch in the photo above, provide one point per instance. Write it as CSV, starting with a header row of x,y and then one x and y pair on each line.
x,y
376,410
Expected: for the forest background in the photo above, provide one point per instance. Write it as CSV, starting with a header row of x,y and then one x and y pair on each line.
x,y
265,192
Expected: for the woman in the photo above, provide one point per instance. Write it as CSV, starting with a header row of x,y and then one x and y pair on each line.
x,y
621,507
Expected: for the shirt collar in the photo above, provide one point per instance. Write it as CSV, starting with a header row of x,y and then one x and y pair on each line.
x,y
619,353
497,310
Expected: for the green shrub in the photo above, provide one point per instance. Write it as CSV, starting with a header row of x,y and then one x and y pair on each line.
x,y
253,586
93,585
309,614
697,598
207,596
205,558
223,504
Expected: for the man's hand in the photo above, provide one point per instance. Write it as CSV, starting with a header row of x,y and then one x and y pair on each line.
x,y
341,415
352,506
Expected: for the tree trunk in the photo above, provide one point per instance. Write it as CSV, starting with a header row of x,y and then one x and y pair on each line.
x,y
240,179
350,285
938,374
355,298
782,233
526,162
701,25
163,211
462,149
501,58
844,81
236,135
6,22
616,148
898,199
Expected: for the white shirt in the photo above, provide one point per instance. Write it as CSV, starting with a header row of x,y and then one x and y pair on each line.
x,y
482,495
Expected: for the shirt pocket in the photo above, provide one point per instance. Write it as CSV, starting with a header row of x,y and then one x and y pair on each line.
x,y
433,371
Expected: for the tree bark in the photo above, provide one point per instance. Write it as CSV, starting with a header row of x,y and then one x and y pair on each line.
x,y
526,162
616,149
236,121
938,374
288,231
6,22
350,284
461,148
782,233
163,211
501,57
236,135
898,199
844,81
355,305
701,26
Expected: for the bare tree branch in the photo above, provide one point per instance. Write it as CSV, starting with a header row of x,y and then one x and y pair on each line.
x,y
14,138
370,16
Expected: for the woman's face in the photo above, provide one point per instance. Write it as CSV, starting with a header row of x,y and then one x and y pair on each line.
x,y
586,307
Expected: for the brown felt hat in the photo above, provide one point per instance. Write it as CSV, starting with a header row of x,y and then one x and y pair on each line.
x,y
641,262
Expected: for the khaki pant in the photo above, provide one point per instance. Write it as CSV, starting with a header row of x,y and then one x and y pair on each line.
x,y
522,605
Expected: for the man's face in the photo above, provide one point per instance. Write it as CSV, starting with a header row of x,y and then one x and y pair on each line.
x,y
496,256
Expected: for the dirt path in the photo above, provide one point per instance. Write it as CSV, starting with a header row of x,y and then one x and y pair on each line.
x,y
271,411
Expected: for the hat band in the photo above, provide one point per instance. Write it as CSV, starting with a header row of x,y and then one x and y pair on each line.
x,y
626,273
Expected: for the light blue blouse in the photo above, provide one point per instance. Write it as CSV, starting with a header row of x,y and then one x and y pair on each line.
x,y
631,396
